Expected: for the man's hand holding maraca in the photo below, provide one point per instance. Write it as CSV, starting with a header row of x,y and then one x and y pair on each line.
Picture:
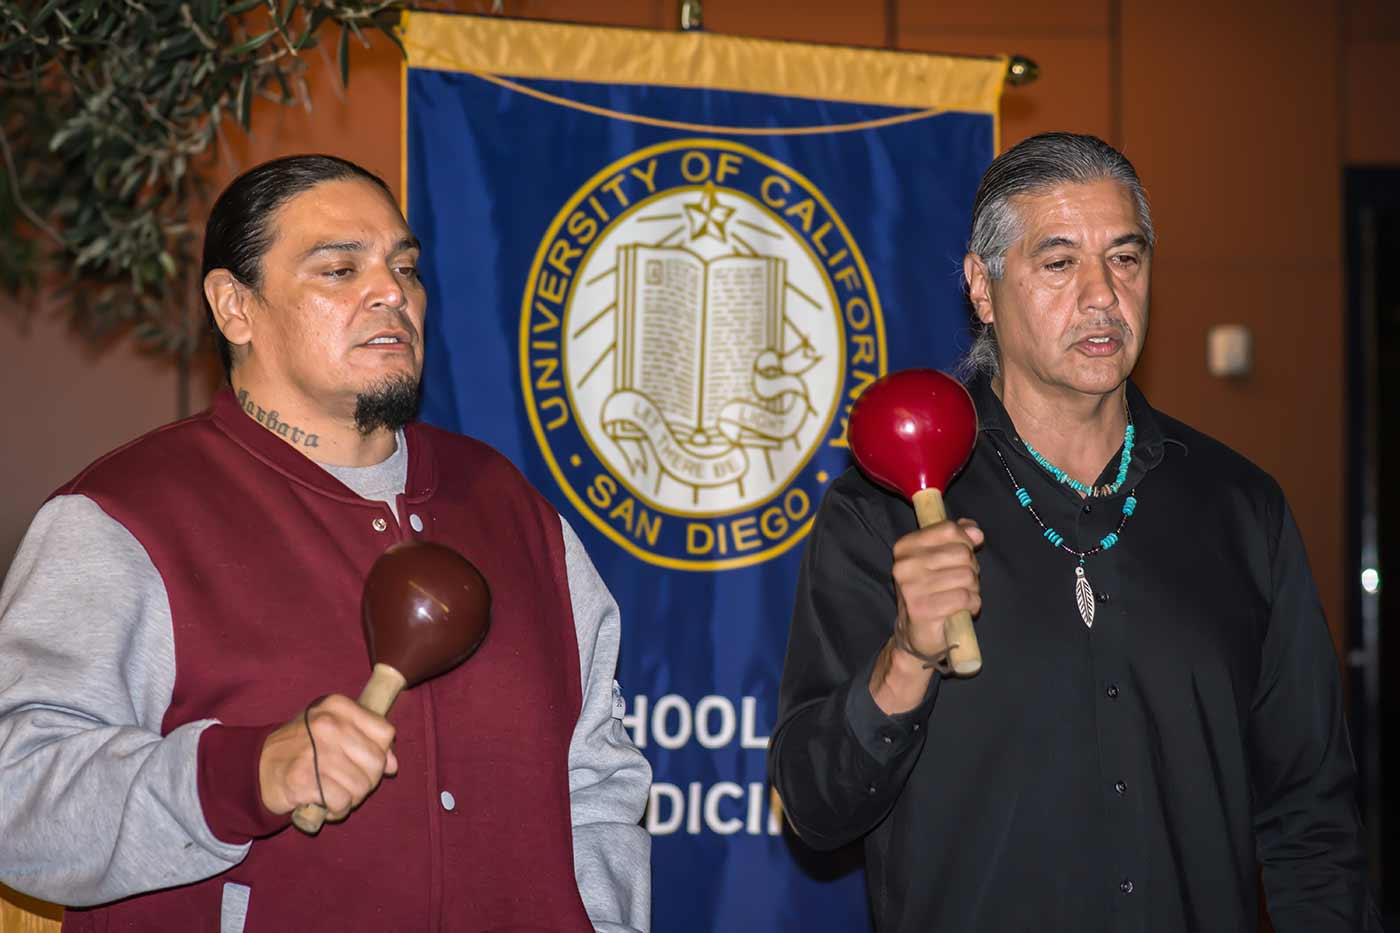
x,y
935,575
353,752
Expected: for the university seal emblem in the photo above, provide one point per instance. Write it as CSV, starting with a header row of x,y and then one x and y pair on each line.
x,y
696,324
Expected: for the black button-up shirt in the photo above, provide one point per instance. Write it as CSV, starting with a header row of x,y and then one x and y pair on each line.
x,y
1130,776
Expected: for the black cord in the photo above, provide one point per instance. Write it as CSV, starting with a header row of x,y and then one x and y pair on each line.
x,y
940,662
315,759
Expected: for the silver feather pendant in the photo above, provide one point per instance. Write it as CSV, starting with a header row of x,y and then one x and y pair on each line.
x,y
1084,596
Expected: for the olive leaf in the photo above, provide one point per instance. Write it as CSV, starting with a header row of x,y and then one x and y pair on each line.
x,y
110,114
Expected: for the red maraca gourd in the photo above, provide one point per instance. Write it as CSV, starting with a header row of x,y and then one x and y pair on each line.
x,y
425,610
911,431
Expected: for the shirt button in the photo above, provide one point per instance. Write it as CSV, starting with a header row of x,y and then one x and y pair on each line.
x,y
379,524
1112,691
1088,508
1103,597
916,727
449,803
1126,886
870,790
1121,787
886,739
415,522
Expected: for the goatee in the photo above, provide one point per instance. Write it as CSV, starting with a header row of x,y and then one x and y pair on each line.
x,y
391,404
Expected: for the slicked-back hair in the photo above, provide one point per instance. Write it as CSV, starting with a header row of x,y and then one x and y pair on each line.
x,y
1031,167
240,232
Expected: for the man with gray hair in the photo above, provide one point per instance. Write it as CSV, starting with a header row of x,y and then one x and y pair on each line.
x,y
1160,716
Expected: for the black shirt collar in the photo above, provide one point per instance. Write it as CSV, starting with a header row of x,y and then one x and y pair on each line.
x,y
1150,438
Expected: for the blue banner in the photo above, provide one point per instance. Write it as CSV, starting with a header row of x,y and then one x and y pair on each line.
x,y
661,267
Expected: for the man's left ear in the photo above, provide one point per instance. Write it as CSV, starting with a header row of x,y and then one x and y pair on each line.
x,y
979,287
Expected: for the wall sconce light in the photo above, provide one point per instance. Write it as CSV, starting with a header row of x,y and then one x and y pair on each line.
x,y
1229,351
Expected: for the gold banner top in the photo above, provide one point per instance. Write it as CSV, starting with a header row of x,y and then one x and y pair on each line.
x,y
612,55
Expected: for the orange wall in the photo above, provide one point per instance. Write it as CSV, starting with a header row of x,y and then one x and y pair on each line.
x,y
1240,117
1371,32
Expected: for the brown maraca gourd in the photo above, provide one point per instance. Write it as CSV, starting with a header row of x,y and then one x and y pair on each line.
x,y
425,610
911,431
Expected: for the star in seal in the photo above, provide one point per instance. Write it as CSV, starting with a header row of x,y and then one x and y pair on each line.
x,y
708,216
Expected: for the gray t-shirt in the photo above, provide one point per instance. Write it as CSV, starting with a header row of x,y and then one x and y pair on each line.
x,y
382,481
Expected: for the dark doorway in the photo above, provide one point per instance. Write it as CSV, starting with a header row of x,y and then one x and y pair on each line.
x,y
1373,507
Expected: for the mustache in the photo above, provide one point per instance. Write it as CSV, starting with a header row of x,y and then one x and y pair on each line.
x,y
1098,325
399,320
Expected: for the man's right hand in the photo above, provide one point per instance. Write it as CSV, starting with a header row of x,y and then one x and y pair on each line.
x,y
353,751
935,575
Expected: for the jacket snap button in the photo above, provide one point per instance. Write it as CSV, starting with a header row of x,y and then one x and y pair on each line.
x,y
379,524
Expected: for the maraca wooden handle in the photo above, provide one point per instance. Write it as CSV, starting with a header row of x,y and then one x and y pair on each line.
x,y
384,686
965,656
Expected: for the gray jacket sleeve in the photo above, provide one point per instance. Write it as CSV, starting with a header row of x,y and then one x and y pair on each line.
x,y
95,804
608,777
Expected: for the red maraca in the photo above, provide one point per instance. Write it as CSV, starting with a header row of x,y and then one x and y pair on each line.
x,y
425,610
911,431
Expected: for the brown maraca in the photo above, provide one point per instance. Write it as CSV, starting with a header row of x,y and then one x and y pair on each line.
x,y
425,609
911,431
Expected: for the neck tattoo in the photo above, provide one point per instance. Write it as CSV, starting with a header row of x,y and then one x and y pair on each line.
x,y
1083,592
272,421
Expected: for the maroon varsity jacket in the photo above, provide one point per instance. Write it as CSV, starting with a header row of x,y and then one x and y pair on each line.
x,y
263,554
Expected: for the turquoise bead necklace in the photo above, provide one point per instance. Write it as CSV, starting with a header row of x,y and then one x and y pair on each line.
x,y
1083,592
1063,477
